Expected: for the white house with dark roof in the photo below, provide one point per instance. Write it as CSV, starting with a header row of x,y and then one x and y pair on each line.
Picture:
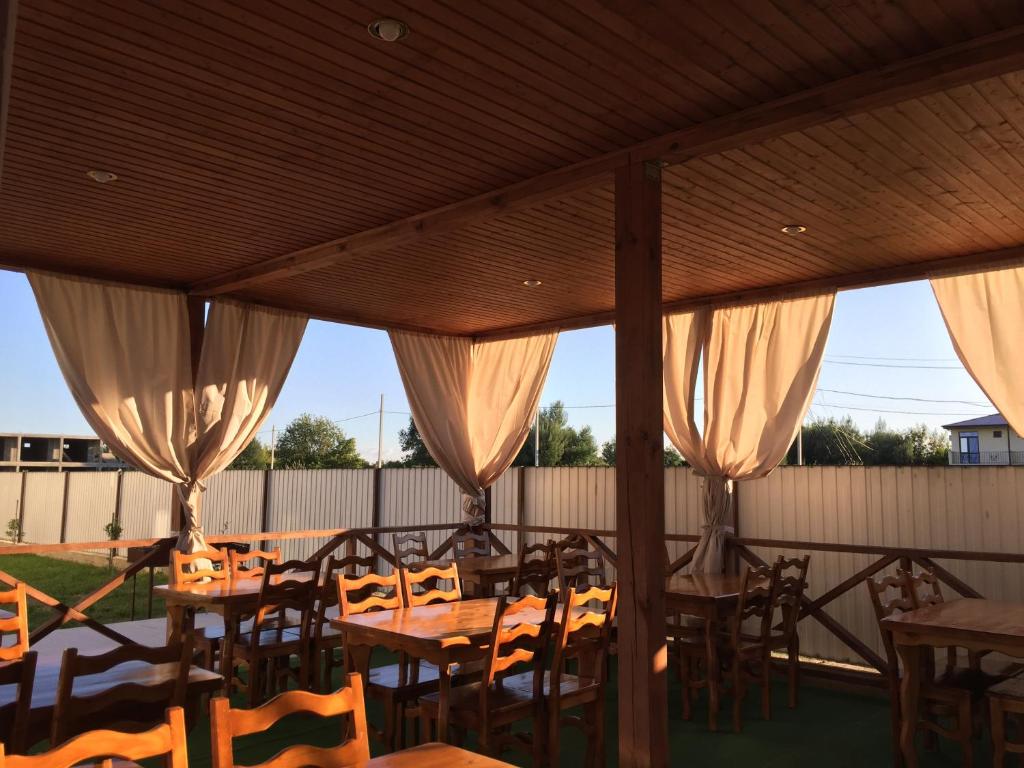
x,y
986,440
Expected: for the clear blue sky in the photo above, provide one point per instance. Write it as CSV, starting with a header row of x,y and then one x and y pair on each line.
x,y
341,371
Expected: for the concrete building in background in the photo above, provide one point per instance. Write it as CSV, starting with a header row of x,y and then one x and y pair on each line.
x,y
55,452
985,441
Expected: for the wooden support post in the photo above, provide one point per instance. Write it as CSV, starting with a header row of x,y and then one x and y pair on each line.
x,y
520,508
196,308
639,470
268,475
487,506
21,507
378,491
64,509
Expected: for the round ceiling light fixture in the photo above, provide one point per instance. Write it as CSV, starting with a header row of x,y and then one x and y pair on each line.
x,y
388,30
532,283
102,177
794,229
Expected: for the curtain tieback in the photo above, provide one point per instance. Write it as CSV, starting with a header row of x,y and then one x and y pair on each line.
x,y
719,529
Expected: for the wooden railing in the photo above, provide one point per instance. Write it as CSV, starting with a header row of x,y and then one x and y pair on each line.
x,y
740,549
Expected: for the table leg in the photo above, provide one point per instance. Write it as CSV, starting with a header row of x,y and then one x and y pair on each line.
x,y
910,689
180,620
227,649
711,651
444,687
357,659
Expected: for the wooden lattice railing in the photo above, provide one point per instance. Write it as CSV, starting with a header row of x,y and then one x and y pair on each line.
x,y
156,552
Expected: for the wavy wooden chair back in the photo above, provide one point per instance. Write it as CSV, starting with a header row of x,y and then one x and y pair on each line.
x,y
409,548
328,595
209,565
535,569
363,594
515,642
14,717
252,564
890,596
471,543
585,631
161,682
755,604
100,747
423,586
14,638
790,583
287,586
579,567
924,589
353,748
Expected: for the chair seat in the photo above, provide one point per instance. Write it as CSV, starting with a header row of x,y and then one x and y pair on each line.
x,y
389,679
268,640
464,700
567,684
1011,688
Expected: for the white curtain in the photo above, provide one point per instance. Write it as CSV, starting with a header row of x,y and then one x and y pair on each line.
x,y
125,354
473,402
761,365
984,314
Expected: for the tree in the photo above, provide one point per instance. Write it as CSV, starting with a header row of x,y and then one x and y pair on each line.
x,y
839,442
671,457
254,456
414,450
316,442
560,444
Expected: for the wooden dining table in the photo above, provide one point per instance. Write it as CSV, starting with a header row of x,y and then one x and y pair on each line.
x,y
44,689
434,755
446,634
972,624
232,598
713,598
488,571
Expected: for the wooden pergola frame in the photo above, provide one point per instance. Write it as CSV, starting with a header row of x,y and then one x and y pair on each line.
x,y
638,306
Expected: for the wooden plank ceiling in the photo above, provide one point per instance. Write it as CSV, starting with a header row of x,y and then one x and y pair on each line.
x,y
241,131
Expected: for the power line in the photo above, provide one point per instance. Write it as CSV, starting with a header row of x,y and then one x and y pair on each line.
x,y
903,413
893,365
915,399
900,359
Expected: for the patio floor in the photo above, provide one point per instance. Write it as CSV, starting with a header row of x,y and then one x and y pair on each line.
x,y
838,728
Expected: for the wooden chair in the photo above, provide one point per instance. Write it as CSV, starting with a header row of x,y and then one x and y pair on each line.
x,y
133,706
586,638
353,748
14,717
325,639
268,644
579,567
1005,698
396,685
252,564
749,655
489,707
423,586
535,569
98,747
207,641
15,626
791,580
470,543
940,696
409,548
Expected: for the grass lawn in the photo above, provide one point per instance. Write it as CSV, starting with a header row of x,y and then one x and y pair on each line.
x,y
69,582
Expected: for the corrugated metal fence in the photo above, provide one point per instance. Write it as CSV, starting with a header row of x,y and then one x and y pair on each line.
x,y
963,508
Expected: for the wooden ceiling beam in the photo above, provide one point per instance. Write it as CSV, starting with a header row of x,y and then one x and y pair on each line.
x,y
8,20
904,273
945,68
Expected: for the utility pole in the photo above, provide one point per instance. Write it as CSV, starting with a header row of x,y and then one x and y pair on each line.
x,y
380,433
536,438
273,444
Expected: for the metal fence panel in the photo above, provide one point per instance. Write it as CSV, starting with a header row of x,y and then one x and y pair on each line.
x,y
44,505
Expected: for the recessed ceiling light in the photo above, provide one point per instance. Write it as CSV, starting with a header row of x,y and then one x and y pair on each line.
x,y
102,177
794,229
531,283
388,30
